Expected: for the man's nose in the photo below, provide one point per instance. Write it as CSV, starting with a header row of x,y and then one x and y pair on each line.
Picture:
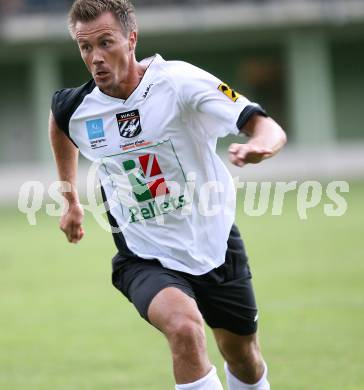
x,y
97,57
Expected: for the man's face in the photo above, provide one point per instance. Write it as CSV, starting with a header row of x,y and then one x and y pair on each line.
x,y
106,52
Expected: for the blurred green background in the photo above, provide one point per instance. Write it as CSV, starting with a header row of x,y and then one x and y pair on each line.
x,y
63,325
301,59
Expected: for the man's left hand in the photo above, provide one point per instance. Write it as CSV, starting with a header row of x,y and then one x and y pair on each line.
x,y
242,154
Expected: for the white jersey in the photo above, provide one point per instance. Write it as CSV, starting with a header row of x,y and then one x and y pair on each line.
x,y
168,191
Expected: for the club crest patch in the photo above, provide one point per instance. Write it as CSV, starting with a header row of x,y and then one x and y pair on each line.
x,y
229,92
129,124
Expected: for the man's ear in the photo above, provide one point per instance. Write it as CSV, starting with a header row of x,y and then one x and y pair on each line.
x,y
133,38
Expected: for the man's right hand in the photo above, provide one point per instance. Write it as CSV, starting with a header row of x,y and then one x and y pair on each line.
x,y
71,223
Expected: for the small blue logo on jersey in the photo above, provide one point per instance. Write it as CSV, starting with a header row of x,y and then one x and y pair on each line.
x,y
95,129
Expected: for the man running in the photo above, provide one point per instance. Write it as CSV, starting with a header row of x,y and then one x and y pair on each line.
x,y
152,126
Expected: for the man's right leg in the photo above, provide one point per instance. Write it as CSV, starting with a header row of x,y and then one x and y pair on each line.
x,y
176,315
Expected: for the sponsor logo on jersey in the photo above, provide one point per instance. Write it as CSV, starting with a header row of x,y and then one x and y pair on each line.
x,y
149,180
229,92
146,177
129,124
135,144
148,183
96,134
146,93
95,129
153,209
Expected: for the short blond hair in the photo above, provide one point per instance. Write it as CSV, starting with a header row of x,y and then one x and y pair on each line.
x,y
89,10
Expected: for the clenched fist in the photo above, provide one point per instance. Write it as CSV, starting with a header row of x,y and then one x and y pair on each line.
x,y
71,223
242,154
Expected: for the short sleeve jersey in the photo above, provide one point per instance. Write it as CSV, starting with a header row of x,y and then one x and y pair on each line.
x,y
167,191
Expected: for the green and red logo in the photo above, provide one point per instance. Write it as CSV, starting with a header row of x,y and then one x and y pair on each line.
x,y
146,177
154,182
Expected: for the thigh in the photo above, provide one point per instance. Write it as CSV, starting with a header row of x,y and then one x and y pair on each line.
x,y
172,311
140,280
225,295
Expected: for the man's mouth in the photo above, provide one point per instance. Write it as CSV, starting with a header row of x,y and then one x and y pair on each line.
x,y
101,73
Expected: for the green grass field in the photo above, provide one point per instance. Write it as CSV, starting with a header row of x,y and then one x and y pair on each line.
x,y
63,325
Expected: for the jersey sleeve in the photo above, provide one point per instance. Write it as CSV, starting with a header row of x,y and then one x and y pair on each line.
x,y
65,102
207,94
61,109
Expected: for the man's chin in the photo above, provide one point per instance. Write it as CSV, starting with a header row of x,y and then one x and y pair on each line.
x,y
103,85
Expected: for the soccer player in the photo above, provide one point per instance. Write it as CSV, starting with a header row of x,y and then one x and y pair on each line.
x,y
152,126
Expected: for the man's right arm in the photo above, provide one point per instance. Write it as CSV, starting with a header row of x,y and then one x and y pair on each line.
x,y
66,157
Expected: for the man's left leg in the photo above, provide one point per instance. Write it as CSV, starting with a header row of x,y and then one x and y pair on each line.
x,y
244,364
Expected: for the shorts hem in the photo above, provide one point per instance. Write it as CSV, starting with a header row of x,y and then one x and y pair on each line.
x,y
245,330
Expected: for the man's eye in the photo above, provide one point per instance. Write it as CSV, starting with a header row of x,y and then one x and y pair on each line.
x,y
105,43
85,47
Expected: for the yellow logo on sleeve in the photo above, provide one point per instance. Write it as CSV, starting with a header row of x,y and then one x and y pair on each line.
x,y
229,92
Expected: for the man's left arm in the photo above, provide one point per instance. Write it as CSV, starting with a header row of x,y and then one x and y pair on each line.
x,y
266,138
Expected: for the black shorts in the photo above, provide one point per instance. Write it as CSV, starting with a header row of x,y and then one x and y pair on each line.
x,y
224,295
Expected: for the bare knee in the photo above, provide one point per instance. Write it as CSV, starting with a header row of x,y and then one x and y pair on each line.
x,y
186,334
177,316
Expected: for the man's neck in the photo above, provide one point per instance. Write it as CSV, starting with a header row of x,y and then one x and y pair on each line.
x,y
126,88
